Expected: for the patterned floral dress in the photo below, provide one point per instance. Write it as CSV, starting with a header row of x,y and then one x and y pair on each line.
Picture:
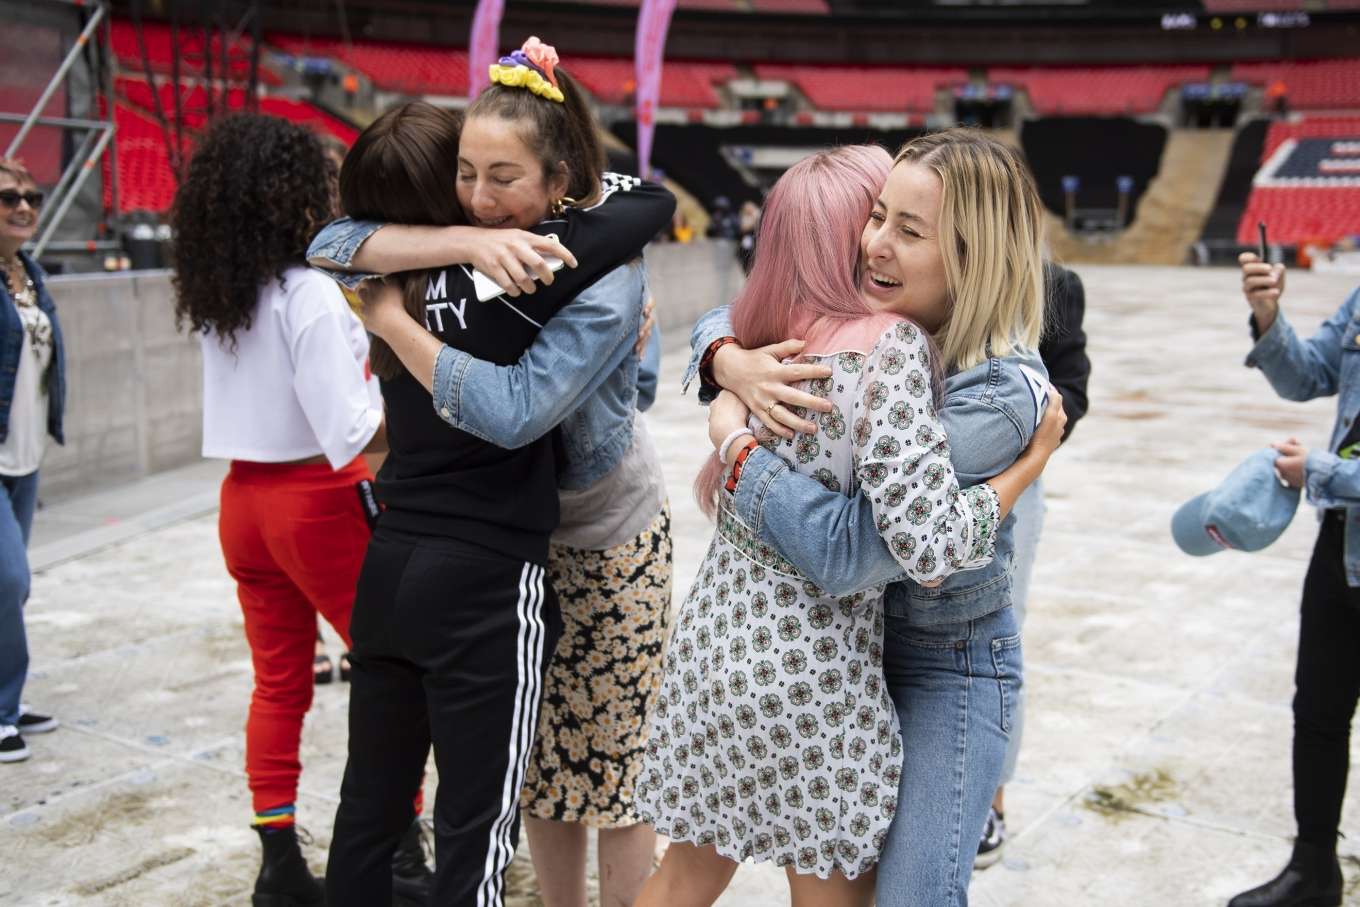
x,y
774,737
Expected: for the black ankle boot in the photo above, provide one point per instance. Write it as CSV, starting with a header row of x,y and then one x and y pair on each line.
x,y
285,880
1312,879
411,875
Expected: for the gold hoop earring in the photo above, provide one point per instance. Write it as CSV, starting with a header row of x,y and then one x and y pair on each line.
x,y
559,206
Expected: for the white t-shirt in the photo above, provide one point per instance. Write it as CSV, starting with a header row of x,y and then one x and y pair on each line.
x,y
297,384
22,451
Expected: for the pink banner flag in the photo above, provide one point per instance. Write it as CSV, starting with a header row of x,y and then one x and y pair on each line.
x,y
654,20
484,45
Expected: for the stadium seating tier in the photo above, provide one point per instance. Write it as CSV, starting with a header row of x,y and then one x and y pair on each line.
x,y
866,88
1077,90
418,69
1311,84
1298,215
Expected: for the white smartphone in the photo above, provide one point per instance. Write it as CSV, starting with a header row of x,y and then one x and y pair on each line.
x,y
487,289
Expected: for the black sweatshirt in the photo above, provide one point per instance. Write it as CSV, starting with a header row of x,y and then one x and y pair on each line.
x,y
1063,348
439,480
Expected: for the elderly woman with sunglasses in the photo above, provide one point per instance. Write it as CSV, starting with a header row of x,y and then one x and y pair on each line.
x,y
32,392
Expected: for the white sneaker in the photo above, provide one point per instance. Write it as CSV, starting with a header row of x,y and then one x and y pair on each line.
x,y
12,746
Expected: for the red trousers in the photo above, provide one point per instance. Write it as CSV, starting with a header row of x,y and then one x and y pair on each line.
x,y
294,539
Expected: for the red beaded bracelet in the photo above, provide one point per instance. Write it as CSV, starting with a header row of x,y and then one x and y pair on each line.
x,y
738,462
706,363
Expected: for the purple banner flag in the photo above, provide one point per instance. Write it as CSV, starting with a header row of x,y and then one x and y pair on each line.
x,y
483,48
654,20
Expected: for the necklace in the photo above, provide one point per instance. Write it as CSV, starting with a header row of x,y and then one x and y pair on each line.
x,y
27,294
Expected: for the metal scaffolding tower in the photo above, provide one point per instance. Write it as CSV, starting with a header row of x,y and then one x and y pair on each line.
x,y
95,135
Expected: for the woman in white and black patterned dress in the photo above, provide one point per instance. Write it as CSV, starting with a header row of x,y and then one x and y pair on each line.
x,y
774,738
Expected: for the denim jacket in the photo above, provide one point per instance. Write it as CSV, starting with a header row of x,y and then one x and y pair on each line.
x,y
580,372
831,537
13,345
1325,364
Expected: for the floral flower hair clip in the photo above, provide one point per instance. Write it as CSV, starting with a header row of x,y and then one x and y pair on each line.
x,y
529,67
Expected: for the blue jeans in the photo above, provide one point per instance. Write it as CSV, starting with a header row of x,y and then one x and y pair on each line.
x,y
955,688
18,497
1029,524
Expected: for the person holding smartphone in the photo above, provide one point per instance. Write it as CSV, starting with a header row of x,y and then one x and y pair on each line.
x,y
1327,675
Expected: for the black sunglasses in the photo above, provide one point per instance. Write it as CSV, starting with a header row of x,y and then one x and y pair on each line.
x,y
11,198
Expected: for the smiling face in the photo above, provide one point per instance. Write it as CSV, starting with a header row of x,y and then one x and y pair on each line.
x,y
500,180
903,266
18,223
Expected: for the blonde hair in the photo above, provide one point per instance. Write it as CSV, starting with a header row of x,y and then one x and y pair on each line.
x,y
994,265
13,167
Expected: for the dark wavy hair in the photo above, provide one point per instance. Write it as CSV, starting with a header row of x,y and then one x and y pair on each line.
x,y
257,189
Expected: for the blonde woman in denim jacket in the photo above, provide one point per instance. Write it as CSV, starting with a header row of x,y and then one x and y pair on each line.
x,y
952,653
32,397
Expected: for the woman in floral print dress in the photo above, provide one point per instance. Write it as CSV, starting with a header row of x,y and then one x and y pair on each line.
x,y
774,738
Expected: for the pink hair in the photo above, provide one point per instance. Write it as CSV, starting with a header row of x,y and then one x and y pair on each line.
x,y
807,254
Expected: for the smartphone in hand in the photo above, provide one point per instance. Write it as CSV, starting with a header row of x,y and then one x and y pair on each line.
x,y
1261,232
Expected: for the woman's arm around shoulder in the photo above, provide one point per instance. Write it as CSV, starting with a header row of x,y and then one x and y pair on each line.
x,y
932,526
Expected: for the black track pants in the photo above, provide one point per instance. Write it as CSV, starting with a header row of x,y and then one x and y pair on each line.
x,y
451,643
1327,682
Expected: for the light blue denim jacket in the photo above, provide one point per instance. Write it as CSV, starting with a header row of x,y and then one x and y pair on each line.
x,y
1325,364
990,413
580,372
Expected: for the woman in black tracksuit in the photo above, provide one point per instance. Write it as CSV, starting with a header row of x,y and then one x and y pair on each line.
x,y
453,621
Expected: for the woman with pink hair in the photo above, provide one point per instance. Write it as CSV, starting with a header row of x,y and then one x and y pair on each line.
x,y
774,738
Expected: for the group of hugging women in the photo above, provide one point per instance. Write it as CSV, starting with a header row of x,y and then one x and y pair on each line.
x,y
836,692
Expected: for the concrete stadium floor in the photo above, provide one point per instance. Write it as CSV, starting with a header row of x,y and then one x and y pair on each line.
x,y
1156,761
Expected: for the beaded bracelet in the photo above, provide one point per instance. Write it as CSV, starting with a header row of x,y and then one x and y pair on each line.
x,y
706,363
727,442
738,462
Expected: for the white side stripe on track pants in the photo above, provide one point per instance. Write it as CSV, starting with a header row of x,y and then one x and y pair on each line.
x,y
523,726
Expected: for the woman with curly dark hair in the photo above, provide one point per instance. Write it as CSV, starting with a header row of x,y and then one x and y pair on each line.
x,y
288,400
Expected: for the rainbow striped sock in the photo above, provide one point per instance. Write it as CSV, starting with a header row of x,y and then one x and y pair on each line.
x,y
278,817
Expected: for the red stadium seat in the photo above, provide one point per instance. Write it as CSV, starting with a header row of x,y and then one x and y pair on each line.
x,y
683,84
144,176
866,88
418,69
1311,128
1073,90
145,180
307,115
160,52
1298,214
1253,6
1311,84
